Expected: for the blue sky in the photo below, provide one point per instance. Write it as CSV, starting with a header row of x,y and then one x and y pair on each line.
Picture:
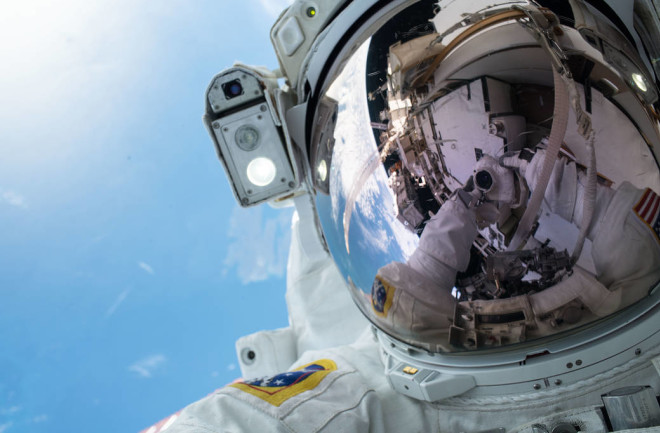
x,y
126,269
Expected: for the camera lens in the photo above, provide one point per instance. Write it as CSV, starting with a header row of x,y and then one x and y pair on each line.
x,y
247,137
483,180
232,89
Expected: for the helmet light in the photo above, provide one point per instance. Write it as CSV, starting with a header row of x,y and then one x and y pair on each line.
x,y
322,170
639,81
261,171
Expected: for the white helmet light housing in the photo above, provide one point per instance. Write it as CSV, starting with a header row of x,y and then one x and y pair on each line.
x,y
242,120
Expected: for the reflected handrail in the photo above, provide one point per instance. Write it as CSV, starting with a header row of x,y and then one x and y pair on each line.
x,y
372,165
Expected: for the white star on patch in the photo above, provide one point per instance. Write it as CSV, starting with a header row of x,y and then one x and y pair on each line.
x,y
278,382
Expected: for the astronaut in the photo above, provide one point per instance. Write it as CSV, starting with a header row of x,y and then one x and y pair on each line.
x,y
625,251
482,324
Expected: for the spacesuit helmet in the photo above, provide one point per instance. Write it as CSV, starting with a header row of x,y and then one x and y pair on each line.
x,y
484,176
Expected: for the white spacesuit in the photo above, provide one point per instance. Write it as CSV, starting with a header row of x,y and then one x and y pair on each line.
x,y
343,388
456,330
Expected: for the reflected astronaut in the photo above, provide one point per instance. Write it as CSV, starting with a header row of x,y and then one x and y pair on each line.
x,y
417,296
475,245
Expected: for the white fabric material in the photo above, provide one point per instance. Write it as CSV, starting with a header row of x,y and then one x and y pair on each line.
x,y
316,297
422,308
445,241
341,402
321,311
560,193
274,351
322,407
561,189
422,305
625,252
603,197
581,285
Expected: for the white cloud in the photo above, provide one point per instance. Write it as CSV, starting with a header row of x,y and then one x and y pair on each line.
x,y
111,310
146,367
11,410
5,427
372,214
148,269
273,7
258,247
231,367
40,418
13,198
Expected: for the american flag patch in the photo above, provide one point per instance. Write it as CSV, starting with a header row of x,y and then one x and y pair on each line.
x,y
648,210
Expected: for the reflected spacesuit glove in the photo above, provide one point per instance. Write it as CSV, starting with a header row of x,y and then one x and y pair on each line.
x,y
486,213
522,161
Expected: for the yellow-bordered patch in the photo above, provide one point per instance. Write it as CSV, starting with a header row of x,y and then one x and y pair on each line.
x,y
382,294
279,388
